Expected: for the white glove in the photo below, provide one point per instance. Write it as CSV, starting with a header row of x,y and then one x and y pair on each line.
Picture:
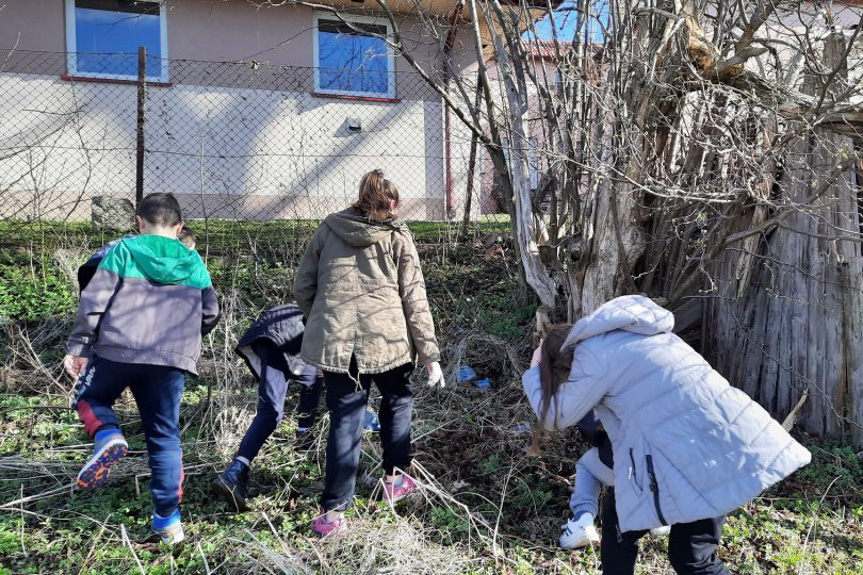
x,y
435,374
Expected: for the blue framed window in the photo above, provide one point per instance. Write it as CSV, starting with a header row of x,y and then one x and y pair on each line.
x,y
353,58
103,37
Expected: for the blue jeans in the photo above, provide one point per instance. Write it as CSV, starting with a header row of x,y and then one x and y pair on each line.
x,y
591,474
347,397
272,388
157,390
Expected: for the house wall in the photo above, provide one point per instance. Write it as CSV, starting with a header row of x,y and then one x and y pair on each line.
x,y
232,140
209,30
33,25
260,154
546,71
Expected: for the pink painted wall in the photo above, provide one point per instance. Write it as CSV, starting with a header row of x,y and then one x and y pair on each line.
x,y
211,30
238,30
33,25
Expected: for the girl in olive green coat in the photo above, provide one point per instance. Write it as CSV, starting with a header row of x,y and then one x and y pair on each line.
x,y
362,291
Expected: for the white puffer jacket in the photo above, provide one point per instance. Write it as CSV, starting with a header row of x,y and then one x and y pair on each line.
x,y
687,445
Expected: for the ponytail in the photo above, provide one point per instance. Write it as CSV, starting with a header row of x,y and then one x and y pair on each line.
x,y
554,369
376,195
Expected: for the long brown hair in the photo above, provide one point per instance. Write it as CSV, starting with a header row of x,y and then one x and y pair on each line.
x,y
554,369
376,193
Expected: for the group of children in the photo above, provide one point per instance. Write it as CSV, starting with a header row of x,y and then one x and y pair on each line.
x,y
138,288
677,446
146,300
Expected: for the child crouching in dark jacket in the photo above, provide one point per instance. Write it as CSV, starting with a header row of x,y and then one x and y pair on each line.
x,y
271,349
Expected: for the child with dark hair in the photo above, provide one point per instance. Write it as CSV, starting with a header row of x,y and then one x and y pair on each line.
x,y
271,349
139,325
187,237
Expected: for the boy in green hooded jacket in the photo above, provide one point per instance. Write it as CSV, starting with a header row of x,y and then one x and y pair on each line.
x,y
139,325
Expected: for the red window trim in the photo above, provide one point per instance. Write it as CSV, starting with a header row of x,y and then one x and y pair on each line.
x,y
68,78
357,98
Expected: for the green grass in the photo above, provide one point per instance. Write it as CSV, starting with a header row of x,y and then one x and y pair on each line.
x,y
218,234
37,261
84,532
489,508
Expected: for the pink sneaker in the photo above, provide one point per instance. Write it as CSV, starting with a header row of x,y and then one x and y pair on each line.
x,y
393,493
322,527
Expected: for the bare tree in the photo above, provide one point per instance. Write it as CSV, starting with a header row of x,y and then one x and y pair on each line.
x,y
699,151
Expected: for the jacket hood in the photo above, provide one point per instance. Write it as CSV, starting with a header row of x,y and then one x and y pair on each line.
x,y
359,231
633,313
163,260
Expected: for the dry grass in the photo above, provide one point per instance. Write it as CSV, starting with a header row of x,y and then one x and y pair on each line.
x,y
485,506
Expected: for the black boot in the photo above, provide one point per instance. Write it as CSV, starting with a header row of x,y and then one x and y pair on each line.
x,y
233,485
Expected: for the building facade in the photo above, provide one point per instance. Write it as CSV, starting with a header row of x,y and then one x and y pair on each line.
x,y
251,111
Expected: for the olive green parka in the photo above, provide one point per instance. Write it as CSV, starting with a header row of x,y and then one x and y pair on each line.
x,y
362,291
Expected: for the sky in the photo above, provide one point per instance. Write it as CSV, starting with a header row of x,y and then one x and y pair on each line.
x,y
566,19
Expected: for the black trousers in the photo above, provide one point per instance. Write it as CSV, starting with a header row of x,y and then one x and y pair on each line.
x,y
691,546
347,400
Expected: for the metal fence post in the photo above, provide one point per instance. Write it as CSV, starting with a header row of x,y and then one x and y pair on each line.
x,y
142,99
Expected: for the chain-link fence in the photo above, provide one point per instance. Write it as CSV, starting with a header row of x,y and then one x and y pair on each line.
x,y
236,141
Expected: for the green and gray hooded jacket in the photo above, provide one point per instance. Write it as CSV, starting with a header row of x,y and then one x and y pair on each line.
x,y
149,302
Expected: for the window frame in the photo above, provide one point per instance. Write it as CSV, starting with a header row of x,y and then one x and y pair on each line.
x,y
72,48
391,57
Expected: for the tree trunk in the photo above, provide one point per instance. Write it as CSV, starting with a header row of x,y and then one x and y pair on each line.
x,y
792,324
536,274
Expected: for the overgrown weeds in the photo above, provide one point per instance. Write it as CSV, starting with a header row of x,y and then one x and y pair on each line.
x,y
486,507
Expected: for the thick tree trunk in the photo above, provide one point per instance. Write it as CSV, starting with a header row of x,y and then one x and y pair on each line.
x,y
786,319
536,274
616,245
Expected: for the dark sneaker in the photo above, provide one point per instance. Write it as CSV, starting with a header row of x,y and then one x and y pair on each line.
x,y
232,485
109,449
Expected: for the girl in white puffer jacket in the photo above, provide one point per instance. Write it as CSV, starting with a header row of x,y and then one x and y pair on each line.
x,y
688,448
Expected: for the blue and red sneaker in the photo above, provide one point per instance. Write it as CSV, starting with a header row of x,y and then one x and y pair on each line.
x,y
169,529
110,447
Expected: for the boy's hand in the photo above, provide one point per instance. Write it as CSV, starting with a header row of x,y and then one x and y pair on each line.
x,y
435,374
74,365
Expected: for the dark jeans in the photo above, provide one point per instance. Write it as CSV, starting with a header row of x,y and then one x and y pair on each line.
x,y
347,402
272,389
157,391
691,546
